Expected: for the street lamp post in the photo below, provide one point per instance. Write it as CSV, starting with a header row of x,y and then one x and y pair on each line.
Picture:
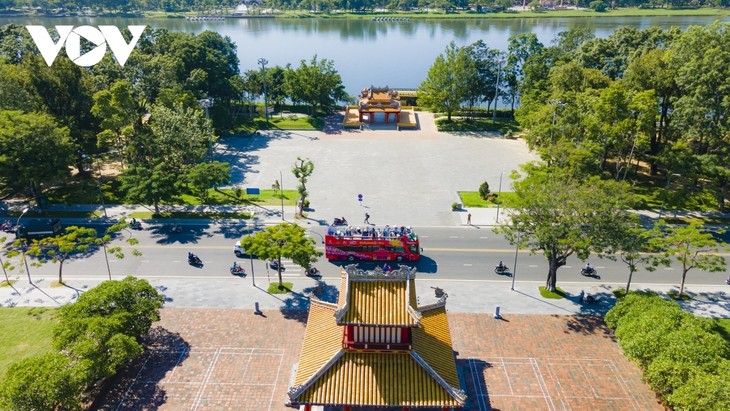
x,y
206,103
281,193
498,194
666,192
514,271
17,223
496,91
263,63
250,256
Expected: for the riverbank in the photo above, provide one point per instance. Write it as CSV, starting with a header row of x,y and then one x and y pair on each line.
x,y
430,15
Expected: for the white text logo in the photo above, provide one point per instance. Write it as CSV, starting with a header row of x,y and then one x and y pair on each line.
x,y
71,37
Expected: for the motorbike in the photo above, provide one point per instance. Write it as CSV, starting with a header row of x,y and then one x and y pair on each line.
x,y
340,221
135,225
7,226
275,265
312,272
194,260
237,270
592,299
502,270
727,281
589,272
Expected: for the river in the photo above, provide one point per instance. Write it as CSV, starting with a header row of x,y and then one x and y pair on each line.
x,y
366,52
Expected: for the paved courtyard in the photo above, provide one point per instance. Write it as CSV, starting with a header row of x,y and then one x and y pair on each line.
x,y
391,169
222,359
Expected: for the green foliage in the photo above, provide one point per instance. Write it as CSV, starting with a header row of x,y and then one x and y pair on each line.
x,y
447,82
555,295
302,169
134,301
47,382
282,241
690,245
316,83
203,176
677,351
35,150
597,5
455,206
484,191
559,214
59,248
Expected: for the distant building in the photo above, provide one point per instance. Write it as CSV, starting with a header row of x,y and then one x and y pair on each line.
x,y
377,349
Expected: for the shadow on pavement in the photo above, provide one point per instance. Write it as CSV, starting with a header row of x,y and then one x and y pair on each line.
x,y
472,373
587,325
427,265
137,385
190,233
296,306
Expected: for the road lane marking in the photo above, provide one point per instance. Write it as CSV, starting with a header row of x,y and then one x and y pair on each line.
x,y
533,266
468,265
453,236
483,238
668,268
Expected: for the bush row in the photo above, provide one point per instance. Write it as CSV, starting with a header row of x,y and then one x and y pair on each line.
x,y
684,359
94,337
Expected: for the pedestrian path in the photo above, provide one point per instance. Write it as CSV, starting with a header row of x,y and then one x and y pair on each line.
x,y
462,295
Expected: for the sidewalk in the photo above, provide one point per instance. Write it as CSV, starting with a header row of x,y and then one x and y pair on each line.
x,y
463,296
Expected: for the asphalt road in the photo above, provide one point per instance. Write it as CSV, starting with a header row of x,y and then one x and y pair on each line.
x,y
454,253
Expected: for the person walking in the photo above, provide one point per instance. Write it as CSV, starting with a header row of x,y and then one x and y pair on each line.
x,y
468,219
367,219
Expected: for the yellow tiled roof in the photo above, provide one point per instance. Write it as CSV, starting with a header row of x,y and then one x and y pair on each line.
x,y
377,379
378,303
342,297
322,340
432,342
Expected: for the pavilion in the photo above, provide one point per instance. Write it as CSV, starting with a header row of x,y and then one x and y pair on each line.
x,y
377,349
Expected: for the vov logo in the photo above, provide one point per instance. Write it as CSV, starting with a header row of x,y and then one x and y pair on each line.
x,y
71,38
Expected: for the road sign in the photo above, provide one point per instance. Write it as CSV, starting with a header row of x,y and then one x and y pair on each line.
x,y
253,191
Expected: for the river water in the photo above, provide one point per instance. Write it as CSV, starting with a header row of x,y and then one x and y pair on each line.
x,y
366,52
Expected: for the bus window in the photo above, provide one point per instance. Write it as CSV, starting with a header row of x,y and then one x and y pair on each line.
x,y
413,249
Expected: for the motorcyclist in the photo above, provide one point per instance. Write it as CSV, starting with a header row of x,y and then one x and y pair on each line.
x,y
192,257
588,268
501,266
234,267
313,271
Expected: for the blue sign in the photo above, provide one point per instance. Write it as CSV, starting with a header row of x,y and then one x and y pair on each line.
x,y
253,191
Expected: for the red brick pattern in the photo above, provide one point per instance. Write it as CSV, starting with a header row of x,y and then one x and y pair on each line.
x,y
233,360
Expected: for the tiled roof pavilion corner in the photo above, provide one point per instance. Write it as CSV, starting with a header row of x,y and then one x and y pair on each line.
x,y
377,349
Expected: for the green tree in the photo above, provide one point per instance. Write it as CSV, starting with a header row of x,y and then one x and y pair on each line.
x,y
120,115
484,190
134,302
48,382
116,251
100,343
203,176
316,83
691,246
175,139
302,169
35,150
282,240
61,247
447,82
559,215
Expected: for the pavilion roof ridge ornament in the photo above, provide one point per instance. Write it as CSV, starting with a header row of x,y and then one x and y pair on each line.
x,y
403,273
297,390
458,394
440,303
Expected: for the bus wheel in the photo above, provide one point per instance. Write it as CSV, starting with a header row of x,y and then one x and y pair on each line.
x,y
350,258
399,259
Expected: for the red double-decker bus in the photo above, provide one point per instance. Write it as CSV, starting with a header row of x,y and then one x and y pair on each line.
x,y
371,244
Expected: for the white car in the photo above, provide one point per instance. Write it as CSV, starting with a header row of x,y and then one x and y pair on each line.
x,y
238,250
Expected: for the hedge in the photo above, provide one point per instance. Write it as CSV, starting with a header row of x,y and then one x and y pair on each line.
x,y
684,360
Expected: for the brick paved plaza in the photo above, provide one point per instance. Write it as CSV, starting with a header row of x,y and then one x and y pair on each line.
x,y
219,359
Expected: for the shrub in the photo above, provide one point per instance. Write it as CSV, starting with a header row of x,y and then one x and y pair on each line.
x,y
703,392
484,191
455,206
598,6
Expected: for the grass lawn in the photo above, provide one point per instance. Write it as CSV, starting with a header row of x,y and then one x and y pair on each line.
x,y
478,124
26,331
558,294
142,215
279,122
472,199
274,288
